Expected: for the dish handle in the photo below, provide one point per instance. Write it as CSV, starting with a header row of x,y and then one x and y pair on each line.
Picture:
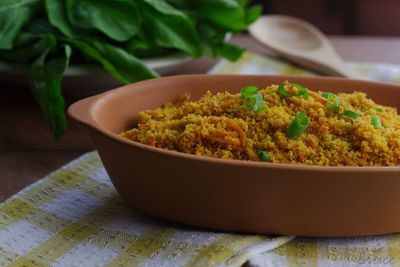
x,y
83,111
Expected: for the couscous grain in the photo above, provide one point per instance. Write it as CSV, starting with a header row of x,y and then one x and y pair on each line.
x,y
222,126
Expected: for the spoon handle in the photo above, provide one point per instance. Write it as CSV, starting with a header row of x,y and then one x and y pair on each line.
x,y
327,63
339,67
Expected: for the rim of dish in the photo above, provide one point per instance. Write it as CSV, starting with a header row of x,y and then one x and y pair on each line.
x,y
95,104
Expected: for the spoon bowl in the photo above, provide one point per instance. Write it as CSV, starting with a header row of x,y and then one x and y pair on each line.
x,y
292,35
302,43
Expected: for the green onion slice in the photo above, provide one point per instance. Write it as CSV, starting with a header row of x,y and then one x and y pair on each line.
x,y
379,110
263,155
326,95
351,114
298,125
260,105
253,100
333,102
376,122
248,90
303,92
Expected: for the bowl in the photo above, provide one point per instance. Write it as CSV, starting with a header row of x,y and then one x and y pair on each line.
x,y
234,195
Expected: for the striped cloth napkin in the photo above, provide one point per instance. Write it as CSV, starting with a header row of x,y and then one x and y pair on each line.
x,y
74,217
252,63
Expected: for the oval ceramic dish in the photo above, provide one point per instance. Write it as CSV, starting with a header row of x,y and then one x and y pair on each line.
x,y
254,197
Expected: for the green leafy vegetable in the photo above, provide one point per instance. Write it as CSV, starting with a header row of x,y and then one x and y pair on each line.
x,y
129,68
228,14
229,51
212,42
252,14
57,14
119,20
117,35
30,51
168,27
13,16
298,125
125,67
45,82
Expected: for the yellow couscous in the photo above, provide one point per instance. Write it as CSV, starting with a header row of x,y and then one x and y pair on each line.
x,y
340,130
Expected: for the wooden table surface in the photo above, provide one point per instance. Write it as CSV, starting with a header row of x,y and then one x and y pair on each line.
x,y
28,151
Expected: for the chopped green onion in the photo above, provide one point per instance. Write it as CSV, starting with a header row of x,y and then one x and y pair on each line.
x,y
326,95
298,125
351,114
248,90
379,110
333,102
263,155
253,100
260,105
303,92
376,122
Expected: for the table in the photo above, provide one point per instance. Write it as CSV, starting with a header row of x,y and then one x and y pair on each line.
x,y
28,151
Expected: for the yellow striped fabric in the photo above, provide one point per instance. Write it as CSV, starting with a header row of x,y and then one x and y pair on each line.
x,y
74,217
251,63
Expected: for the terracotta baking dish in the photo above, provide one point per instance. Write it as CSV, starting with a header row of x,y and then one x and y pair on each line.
x,y
254,197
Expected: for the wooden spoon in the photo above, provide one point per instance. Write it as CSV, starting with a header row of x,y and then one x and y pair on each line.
x,y
302,43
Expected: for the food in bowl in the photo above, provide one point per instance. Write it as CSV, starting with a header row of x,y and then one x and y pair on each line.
x,y
284,123
240,195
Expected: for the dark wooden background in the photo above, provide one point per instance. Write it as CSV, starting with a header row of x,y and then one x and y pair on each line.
x,y
342,17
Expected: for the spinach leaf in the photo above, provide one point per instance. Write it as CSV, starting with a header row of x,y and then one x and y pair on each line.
x,y
23,39
168,27
13,16
56,12
191,4
123,66
29,51
39,26
213,44
252,14
243,3
142,49
128,66
232,19
229,51
7,5
45,83
228,14
119,19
